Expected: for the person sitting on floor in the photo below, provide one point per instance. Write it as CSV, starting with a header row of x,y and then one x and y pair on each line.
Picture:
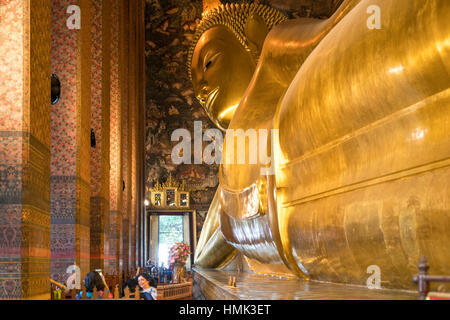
x,y
148,285
94,280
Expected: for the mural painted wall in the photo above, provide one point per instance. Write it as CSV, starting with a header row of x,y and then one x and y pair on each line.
x,y
171,103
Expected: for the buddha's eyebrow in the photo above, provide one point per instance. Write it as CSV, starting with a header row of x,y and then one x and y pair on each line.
x,y
206,53
210,47
210,57
206,57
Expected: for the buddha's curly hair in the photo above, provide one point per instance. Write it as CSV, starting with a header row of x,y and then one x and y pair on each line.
x,y
234,17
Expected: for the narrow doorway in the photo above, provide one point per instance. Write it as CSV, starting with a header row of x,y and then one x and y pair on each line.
x,y
170,231
164,229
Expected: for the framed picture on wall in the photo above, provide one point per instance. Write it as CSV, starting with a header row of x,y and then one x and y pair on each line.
x,y
170,197
184,199
157,199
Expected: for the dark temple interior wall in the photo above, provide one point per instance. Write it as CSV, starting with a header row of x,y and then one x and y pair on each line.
x,y
170,100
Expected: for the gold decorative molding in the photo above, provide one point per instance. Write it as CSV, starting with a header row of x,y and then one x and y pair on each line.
x,y
170,194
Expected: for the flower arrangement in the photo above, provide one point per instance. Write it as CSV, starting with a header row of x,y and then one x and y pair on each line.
x,y
179,253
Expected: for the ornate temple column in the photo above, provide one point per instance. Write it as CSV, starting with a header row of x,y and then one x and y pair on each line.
x,y
133,48
24,149
140,132
70,144
124,86
124,119
115,179
137,131
100,124
126,177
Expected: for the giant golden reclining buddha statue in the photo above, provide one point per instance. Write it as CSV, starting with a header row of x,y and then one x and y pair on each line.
x,y
362,155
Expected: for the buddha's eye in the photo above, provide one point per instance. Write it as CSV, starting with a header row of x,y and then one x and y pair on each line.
x,y
210,60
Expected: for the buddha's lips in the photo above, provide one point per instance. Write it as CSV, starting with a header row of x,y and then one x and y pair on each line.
x,y
211,98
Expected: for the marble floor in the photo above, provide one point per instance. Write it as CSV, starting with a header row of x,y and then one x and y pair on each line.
x,y
212,284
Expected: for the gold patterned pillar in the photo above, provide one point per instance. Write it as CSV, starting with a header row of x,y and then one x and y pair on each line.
x,y
127,136
83,139
133,48
70,146
115,186
24,149
140,131
100,126
124,41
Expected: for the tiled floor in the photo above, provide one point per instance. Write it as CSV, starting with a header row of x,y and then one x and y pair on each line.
x,y
260,287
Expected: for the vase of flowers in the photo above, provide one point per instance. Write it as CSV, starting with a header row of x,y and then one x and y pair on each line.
x,y
178,256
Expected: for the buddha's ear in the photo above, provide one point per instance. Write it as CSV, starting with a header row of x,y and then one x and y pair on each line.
x,y
256,31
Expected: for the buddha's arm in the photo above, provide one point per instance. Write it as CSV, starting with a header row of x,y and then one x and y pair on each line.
x,y
216,252
212,251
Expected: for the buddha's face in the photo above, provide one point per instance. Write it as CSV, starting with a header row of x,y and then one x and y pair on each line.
x,y
221,72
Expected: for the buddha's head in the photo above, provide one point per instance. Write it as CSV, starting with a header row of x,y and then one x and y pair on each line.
x,y
224,54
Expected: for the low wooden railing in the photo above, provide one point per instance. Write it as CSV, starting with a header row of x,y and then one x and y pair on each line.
x,y
176,291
